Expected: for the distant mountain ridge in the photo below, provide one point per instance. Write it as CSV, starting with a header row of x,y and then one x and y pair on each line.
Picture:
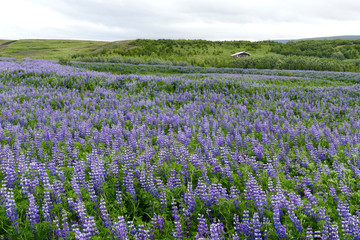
x,y
345,37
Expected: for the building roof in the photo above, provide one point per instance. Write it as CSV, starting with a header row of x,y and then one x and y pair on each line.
x,y
240,53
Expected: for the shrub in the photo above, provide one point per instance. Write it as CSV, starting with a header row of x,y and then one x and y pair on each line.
x,y
65,61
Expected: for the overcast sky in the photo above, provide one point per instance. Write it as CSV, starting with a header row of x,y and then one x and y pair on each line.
x,y
111,20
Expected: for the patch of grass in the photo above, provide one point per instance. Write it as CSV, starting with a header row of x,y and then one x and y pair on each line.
x,y
49,49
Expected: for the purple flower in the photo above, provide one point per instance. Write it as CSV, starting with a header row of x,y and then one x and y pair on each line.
x,y
119,229
10,206
163,201
256,226
203,229
157,224
178,232
189,198
104,214
309,233
47,205
89,227
32,212
216,231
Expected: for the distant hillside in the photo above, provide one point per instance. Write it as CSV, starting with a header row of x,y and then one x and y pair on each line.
x,y
345,37
46,48
332,55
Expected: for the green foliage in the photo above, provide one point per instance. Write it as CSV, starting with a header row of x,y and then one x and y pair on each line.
x,y
295,63
306,54
65,61
49,49
319,48
338,55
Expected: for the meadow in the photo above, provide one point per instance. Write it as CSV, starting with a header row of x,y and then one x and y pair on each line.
x,y
121,151
319,55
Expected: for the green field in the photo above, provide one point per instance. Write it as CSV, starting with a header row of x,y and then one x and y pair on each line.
x,y
47,49
330,55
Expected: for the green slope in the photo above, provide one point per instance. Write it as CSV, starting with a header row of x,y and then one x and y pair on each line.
x,y
332,55
345,37
47,49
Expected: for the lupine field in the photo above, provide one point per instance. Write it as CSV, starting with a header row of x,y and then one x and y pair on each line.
x,y
252,155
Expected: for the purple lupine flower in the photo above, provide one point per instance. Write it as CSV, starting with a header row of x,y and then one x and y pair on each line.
x,y
89,226
216,231
47,205
71,203
346,218
25,185
234,195
187,219
97,173
178,233
280,229
131,227
91,191
202,193
317,235
120,229
235,236
32,212
10,206
245,226
157,224
203,229
58,191
57,229
256,226
174,180
254,193
129,182
333,232
163,201
142,180
189,198
81,211
79,235
65,224
309,233
345,190
104,214
161,223
141,233
151,186
79,172
154,227
237,225
119,199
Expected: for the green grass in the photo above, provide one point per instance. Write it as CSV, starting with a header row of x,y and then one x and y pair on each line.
x,y
3,41
48,49
186,50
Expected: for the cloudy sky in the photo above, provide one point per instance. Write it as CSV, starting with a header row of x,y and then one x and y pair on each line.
x,y
111,20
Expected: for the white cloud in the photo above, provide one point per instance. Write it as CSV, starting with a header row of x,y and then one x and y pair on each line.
x,y
206,19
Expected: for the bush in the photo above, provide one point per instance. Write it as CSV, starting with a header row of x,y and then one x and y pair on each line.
x,y
65,61
338,55
294,62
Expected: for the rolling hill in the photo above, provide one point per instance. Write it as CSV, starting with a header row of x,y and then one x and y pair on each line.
x,y
345,37
326,54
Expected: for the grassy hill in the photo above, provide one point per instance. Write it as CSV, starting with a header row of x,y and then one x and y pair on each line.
x,y
46,49
333,55
171,49
345,37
